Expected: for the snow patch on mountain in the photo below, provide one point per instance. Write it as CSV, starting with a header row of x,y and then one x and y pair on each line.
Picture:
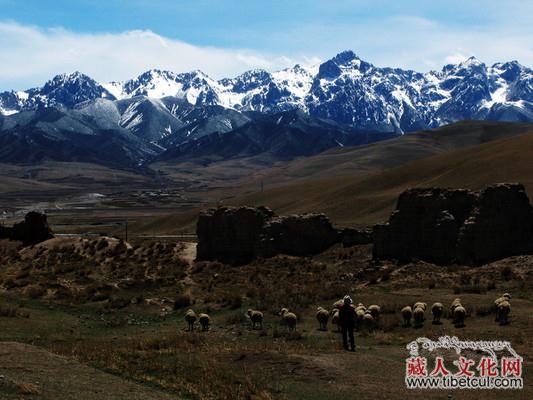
x,y
345,89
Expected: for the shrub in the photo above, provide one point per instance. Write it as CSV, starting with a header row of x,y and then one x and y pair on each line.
x,y
34,291
182,301
7,311
473,288
507,273
235,302
385,276
119,302
102,244
465,279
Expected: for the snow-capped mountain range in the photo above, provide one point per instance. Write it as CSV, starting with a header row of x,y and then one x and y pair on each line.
x,y
299,111
344,89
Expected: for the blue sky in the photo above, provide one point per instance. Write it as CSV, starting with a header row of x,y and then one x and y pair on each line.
x,y
225,37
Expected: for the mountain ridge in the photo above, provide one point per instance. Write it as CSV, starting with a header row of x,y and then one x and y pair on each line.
x,y
345,88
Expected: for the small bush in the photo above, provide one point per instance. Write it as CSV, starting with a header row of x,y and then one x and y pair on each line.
x,y
119,302
465,279
182,301
507,273
473,288
7,311
235,302
34,291
102,244
385,276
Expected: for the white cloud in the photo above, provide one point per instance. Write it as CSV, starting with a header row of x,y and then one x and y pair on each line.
x,y
30,55
455,58
414,42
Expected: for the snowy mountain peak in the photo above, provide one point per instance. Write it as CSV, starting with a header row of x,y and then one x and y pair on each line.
x,y
345,58
344,88
471,61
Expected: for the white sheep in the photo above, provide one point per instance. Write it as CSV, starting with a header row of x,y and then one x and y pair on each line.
x,y
288,319
418,317
368,321
499,300
205,321
421,305
190,318
256,318
437,309
459,316
375,310
360,315
338,304
322,316
456,302
504,308
502,298
407,313
360,306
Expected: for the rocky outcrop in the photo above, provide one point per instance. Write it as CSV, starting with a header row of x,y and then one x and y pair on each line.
x,y
239,235
230,234
34,229
298,235
446,225
500,225
352,237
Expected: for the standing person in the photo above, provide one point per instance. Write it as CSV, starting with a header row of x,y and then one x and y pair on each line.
x,y
347,319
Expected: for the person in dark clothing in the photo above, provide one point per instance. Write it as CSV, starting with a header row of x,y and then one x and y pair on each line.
x,y
347,319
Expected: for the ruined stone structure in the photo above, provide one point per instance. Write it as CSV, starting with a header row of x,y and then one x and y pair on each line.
x,y
34,229
239,235
446,225
230,234
352,237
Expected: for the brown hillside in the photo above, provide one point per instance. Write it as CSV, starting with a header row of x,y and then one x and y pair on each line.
x,y
368,199
395,152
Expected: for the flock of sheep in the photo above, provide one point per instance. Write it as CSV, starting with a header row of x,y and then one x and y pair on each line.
x,y
366,316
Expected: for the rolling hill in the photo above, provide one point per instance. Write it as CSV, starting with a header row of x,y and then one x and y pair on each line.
x,y
395,152
359,186
367,199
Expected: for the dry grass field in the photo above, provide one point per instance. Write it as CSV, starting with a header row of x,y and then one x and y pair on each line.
x,y
119,310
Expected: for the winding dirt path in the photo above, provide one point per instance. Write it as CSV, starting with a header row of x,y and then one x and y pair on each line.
x,y
189,254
